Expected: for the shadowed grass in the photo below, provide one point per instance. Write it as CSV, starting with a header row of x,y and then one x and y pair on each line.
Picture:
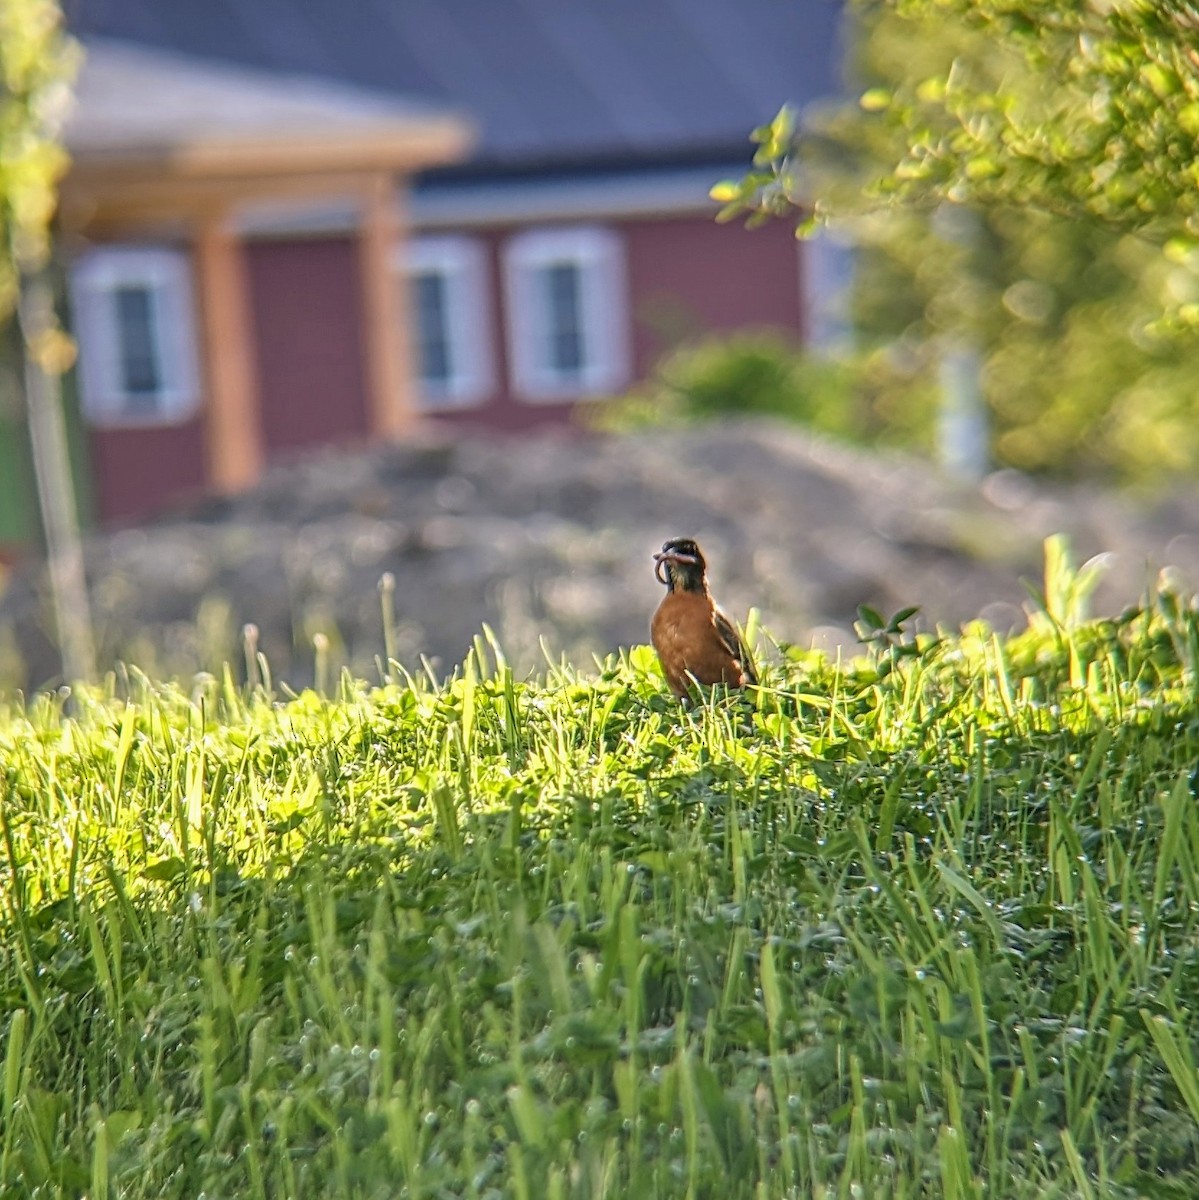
x,y
921,926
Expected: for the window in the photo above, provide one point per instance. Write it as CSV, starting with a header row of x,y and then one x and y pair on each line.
x,y
567,313
134,320
448,295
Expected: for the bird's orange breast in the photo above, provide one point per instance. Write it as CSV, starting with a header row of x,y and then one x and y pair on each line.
x,y
683,631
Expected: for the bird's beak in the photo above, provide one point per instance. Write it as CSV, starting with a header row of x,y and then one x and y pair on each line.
x,y
670,556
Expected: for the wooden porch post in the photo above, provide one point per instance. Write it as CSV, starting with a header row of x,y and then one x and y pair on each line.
x,y
390,401
231,419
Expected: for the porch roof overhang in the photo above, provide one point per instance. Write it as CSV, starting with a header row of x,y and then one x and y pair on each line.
x,y
157,136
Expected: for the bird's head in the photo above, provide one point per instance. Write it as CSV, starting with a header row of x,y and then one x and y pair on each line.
x,y
679,564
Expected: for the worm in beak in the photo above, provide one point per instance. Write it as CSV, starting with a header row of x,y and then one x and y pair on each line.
x,y
669,556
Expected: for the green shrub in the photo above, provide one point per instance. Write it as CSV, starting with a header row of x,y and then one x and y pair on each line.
x,y
751,374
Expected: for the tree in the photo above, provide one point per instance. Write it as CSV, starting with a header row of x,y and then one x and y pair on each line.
x,y
37,61
1082,108
1063,136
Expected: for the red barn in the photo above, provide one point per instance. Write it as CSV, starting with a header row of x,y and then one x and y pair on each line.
x,y
282,235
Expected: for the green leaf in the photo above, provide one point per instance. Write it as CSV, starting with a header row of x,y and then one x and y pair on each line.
x,y
165,869
904,614
871,617
875,99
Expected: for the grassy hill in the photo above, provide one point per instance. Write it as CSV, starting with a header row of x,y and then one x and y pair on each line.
x,y
924,924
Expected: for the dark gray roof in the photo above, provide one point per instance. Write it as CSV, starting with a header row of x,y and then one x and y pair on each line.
x,y
547,82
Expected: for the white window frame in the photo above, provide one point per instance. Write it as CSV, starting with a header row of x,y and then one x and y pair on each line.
x,y
599,255
462,263
94,279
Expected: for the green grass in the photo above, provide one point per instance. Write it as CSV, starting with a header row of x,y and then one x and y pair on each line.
x,y
923,925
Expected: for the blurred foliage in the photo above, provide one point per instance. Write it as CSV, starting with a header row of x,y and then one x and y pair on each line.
x,y
1021,178
1084,108
37,62
1079,374
1078,107
748,374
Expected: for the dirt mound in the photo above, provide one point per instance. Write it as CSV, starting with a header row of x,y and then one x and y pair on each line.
x,y
550,537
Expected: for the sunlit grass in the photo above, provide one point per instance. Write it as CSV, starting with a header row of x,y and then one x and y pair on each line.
x,y
920,925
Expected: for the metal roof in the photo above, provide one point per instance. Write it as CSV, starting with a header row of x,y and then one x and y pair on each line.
x,y
546,82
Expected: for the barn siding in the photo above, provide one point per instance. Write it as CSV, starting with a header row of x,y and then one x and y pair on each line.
x,y
306,299
138,472
689,276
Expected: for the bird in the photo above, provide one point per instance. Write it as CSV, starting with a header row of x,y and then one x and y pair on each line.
x,y
695,641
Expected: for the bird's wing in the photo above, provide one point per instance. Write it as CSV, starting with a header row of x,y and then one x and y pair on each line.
x,y
734,643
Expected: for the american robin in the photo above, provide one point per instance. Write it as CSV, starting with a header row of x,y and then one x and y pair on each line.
x,y
695,641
